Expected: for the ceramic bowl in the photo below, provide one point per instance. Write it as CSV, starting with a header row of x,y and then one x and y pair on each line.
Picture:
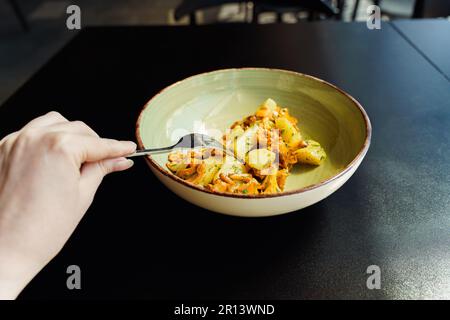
x,y
210,102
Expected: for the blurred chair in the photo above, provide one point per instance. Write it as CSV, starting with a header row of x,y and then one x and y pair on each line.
x,y
420,8
19,14
189,7
355,8
313,7
431,8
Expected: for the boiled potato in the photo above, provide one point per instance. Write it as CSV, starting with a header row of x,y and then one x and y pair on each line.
x,y
266,109
245,142
270,104
313,153
206,171
236,132
260,159
289,132
230,166
231,137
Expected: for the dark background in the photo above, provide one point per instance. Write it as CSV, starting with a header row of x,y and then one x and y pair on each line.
x,y
138,240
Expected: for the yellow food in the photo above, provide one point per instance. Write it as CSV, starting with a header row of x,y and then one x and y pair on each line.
x,y
245,142
260,159
311,154
265,146
290,134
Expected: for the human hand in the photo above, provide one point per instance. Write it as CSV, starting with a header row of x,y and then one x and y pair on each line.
x,y
49,173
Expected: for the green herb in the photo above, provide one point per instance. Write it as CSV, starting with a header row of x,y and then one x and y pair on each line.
x,y
245,191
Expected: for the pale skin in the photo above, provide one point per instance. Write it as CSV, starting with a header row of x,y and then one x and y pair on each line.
x,y
49,173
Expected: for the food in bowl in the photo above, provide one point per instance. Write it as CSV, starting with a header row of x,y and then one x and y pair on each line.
x,y
260,150
208,103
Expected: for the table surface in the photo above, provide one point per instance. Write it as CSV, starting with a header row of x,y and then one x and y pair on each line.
x,y
139,240
431,37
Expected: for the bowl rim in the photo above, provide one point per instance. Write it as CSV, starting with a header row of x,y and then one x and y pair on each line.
x,y
362,152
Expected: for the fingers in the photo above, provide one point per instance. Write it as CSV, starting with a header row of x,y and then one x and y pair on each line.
x,y
50,118
75,127
92,174
75,139
91,149
56,122
9,137
104,167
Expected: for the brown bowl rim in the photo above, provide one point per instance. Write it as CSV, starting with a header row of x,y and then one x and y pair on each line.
x,y
347,168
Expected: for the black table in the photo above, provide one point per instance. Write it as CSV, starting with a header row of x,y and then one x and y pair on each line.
x,y
138,240
431,37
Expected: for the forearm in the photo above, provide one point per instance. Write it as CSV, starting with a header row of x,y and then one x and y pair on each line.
x,y
15,274
17,268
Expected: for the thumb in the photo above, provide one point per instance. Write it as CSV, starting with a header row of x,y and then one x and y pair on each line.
x,y
92,174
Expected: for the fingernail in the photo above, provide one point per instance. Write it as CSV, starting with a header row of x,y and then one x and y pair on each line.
x,y
130,144
123,164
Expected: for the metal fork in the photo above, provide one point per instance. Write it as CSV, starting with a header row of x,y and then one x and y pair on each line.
x,y
192,140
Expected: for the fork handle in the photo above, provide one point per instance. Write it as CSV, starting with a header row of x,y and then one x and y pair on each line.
x,y
144,152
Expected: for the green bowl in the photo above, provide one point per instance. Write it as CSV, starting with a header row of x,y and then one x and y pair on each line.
x,y
210,102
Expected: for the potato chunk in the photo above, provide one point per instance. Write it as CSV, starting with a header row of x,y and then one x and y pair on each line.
x,y
206,171
260,159
266,109
245,142
313,153
289,132
230,166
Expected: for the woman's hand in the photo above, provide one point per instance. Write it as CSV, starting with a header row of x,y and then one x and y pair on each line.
x,y
49,173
